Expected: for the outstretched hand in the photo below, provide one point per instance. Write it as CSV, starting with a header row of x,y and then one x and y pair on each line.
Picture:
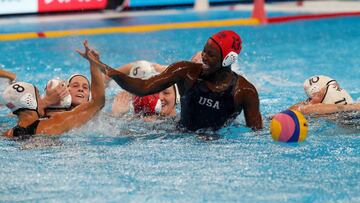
x,y
89,54
93,57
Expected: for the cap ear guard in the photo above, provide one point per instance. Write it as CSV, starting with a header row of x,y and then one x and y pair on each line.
x,y
177,94
230,45
158,107
311,90
230,58
316,83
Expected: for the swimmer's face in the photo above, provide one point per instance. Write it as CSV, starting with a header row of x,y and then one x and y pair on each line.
x,y
79,89
211,57
317,97
197,58
168,101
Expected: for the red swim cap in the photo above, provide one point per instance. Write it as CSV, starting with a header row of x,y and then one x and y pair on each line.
x,y
230,45
147,105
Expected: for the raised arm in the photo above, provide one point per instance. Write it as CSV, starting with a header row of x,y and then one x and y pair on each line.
x,y
124,69
6,74
67,120
181,72
127,67
176,72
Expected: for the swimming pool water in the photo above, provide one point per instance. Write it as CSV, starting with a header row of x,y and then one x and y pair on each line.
x,y
113,160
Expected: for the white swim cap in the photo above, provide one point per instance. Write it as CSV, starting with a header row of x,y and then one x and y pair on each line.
x,y
316,83
336,95
20,95
77,74
142,70
64,102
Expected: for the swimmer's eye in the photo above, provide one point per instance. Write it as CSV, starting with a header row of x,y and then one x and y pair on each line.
x,y
211,54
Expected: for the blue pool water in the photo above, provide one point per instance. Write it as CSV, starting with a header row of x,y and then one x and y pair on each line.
x,y
113,160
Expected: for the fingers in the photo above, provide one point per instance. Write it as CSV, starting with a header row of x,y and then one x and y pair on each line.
x,y
78,51
60,87
81,53
90,54
50,83
87,48
64,94
123,97
63,91
95,53
121,103
86,43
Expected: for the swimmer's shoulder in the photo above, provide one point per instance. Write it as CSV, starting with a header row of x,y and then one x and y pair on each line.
x,y
186,70
186,65
244,92
243,84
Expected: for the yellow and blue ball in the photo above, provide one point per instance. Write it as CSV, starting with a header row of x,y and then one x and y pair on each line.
x,y
289,126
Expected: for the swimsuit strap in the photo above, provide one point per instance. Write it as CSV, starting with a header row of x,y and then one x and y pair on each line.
x,y
23,133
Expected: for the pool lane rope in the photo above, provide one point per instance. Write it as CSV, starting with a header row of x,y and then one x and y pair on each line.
x,y
170,26
129,29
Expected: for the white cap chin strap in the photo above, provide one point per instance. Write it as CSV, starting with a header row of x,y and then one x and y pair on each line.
x,y
177,94
230,58
158,106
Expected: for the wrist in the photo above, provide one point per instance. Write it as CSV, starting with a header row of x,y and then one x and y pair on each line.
x,y
12,76
46,102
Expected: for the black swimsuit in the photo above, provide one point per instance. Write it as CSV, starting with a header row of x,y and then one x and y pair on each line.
x,y
202,108
22,133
